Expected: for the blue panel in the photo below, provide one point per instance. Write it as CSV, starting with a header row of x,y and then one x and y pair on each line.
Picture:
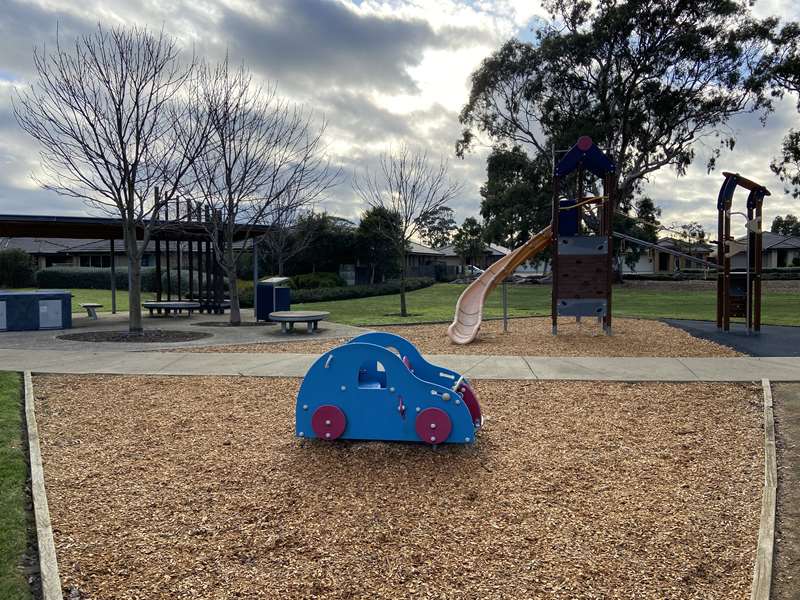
x,y
581,307
264,301
568,219
270,299
726,193
22,308
283,298
583,245
755,198
22,313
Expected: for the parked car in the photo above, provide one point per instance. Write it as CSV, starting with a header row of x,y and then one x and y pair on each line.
x,y
472,270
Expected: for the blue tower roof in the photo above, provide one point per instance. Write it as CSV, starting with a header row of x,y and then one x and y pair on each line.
x,y
584,153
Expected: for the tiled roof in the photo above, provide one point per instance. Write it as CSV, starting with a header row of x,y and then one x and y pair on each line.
x,y
50,246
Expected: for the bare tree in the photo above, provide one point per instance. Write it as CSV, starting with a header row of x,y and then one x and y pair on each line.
x,y
264,157
287,236
118,129
406,184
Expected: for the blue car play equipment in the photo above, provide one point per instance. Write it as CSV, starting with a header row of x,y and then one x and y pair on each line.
x,y
377,386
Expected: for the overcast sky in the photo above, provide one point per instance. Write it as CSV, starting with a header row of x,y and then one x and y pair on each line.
x,y
381,73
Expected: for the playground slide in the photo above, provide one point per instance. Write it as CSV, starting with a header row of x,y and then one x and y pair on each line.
x,y
469,309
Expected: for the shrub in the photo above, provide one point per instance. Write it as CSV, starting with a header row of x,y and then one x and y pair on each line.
x,y
245,293
311,281
75,277
359,291
16,268
100,279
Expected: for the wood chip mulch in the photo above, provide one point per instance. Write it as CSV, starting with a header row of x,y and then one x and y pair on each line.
x,y
526,337
197,488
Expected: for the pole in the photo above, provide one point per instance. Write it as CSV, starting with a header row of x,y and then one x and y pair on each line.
x,y
191,251
113,280
747,289
169,276
255,267
505,307
178,242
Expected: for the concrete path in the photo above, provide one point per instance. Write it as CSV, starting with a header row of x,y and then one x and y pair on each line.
x,y
475,367
197,323
774,340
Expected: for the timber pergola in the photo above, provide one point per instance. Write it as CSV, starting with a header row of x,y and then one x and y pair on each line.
x,y
188,228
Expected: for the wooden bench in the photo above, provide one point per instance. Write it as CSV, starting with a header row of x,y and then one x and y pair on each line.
x,y
175,307
290,317
91,308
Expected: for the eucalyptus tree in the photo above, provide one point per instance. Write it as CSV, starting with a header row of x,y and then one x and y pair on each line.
x,y
646,80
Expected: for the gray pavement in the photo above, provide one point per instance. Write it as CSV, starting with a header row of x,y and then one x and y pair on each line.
x,y
475,367
208,324
43,352
773,340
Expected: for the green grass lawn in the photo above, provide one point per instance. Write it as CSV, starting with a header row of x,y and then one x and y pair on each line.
x,y
437,303
80,296
13,477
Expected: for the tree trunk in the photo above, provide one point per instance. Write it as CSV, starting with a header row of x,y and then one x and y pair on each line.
x,y
134,281
233,287
280,267
403,311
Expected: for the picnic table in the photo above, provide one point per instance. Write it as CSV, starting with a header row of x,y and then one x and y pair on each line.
x,y
290,317
175,307
91,308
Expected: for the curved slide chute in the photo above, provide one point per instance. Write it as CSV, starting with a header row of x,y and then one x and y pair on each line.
x,y
469,309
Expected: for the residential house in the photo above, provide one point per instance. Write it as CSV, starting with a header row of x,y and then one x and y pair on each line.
x,y
60,252
422,261
777,251
653,261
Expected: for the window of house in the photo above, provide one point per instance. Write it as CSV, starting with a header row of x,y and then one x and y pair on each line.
x,y
85,261
782,256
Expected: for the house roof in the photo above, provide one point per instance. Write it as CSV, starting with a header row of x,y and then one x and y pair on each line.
x,y
770,241
415,248
491,249
107,228
779,242
683,246
52,246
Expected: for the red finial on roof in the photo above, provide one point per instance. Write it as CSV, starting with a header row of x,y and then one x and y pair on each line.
x,y
584,143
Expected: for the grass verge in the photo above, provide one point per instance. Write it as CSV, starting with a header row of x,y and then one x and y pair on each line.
x,y
437,303
13,478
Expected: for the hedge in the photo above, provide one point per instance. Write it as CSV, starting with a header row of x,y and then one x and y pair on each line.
x,y
100,279
359,291
337,293
310,281
711,274
16,268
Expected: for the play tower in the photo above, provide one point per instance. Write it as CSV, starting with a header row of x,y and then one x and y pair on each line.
x,y
582,266
739,292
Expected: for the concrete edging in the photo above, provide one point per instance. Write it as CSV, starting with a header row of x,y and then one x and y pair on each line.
x,y
48,564
762,570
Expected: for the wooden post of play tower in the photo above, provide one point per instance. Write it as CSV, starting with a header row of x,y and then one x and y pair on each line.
x,y
739,292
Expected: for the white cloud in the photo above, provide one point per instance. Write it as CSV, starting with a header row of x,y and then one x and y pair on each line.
x,y
382,72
